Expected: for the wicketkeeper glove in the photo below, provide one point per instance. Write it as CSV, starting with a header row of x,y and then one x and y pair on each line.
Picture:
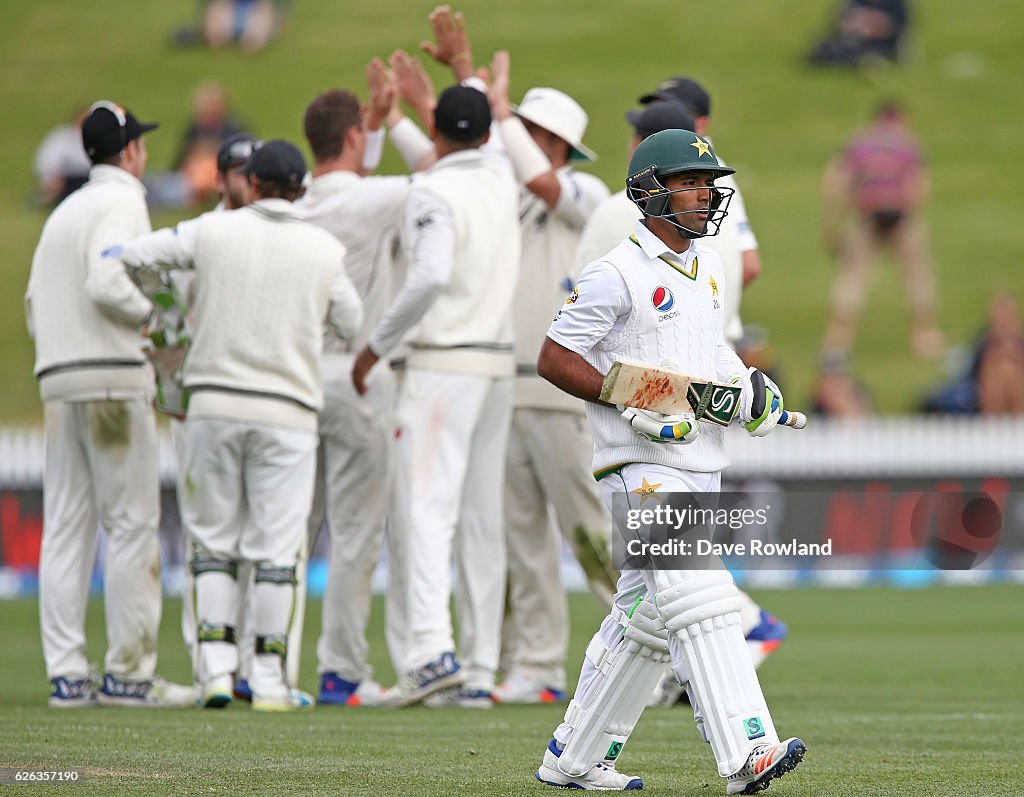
x,y
679,429
760,402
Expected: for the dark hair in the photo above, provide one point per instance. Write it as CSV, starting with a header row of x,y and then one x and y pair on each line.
x,y
328,118
271,190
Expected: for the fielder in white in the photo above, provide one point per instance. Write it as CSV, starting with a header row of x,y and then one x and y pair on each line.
x,y
656,297
356,431
455,405
177,321
550,448
253,376
101,444
548,468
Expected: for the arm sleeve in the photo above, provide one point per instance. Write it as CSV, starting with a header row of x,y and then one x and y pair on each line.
x,y
431,230
598,303
148,257
738,209
528,159
579,198
411,142
374,150
345,311
107,282
727,363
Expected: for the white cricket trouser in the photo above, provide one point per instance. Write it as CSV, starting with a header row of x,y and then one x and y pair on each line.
x,y
246,494
353,488
457,428
246,638
633,584
549,458
396,601
101,466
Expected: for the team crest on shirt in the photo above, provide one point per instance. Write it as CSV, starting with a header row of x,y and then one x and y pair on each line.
x,y
573,296
662,299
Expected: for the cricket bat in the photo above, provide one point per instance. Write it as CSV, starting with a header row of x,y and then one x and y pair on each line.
x,y
666,391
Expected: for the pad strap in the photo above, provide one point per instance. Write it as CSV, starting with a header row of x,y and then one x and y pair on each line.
x,y
276,644
215,632
275,575
202,565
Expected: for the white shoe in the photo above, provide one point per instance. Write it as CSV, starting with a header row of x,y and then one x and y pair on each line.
x,y
765,762
72,692
600,777
460,697
291,700
152,692
434,676
519,687
370,693
217,692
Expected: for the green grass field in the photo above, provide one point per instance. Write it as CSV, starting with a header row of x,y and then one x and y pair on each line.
x,y
774,119
895,692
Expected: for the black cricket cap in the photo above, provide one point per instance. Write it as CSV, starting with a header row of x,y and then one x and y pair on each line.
x,y
462,114
277,161
660,115
682,89
107,129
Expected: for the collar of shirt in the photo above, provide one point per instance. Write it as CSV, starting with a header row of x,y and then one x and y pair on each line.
x,y
105,173
654,247
331,182
275,208
458,158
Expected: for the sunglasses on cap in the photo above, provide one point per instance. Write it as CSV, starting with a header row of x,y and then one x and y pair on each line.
x,y
118,112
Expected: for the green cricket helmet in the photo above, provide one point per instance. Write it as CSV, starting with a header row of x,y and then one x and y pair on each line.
x,y
669,153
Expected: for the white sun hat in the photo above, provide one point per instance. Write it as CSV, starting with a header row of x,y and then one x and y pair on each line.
x,y
560,114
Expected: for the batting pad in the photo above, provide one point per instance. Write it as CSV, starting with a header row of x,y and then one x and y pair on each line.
x,y
603,719
703,613
216,602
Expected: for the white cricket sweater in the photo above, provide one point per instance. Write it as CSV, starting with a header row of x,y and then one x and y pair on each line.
x,y
85,349
546,277
644,303
363,213
465,324
265,284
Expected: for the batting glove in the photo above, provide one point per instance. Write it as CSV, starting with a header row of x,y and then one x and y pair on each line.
x,y
679,429
760,402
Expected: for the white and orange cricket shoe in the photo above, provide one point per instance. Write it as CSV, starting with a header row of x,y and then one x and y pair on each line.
x,y
766,762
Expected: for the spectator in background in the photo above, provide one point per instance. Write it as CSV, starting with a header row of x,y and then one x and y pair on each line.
x,y
992,380
61,164
211,122
252,24
863,30
837,393
874,193
1000,369
193,181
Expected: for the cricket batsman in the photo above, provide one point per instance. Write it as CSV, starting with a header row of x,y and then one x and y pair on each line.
x,y
656,298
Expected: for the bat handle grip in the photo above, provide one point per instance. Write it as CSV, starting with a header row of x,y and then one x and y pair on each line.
x,y
796,420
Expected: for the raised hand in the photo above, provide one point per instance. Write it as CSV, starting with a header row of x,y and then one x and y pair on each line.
x,y
382,93
497,89
413,84
451,43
